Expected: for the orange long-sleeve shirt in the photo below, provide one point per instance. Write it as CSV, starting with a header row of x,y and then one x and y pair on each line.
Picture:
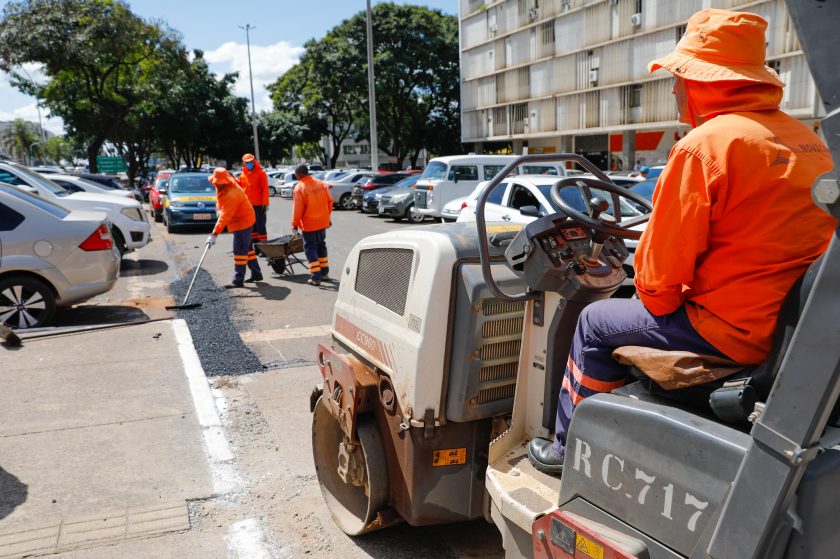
x,y
733,224
312,205
234,209
255,185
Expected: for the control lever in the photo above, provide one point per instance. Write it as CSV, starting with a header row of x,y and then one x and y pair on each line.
x,y
598,205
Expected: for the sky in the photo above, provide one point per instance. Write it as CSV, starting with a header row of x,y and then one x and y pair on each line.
x,y
281,27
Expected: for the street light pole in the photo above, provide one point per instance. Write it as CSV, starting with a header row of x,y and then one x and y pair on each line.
x,y
247,29
374,149
37,107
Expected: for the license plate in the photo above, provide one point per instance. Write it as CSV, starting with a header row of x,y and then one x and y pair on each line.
x,y
198,217
381,210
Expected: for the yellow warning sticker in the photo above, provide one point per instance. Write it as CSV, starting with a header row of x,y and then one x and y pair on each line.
x,y
503,228
449,457
588,547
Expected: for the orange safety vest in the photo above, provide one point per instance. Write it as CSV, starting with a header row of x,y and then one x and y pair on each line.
x,y
234,209
255,184
312,205
733,224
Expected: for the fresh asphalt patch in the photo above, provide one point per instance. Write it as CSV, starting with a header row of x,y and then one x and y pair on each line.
x,y
215,335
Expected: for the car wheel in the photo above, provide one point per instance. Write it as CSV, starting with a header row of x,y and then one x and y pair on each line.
x,y
158,215
168,222
272,191
25,302
346,202
119,241
413,216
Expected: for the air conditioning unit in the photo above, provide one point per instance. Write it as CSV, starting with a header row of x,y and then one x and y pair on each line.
x,y
593,77
565,5
636,19
533,13
613,2
493,29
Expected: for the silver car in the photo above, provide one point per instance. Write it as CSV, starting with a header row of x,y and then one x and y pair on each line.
x,y
50,256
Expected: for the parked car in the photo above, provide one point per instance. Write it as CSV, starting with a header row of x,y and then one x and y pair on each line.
x,y
274,178
288,186
129,226
73,183
379,180
51,257
397,202
155,198
341,190
190,199
522,199
452,209
454,176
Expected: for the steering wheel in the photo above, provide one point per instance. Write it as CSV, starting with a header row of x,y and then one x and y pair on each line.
x,y
611,225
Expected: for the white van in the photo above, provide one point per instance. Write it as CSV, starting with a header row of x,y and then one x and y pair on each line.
x,y
454,176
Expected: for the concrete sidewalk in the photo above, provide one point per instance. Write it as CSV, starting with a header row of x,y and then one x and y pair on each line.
x,y
101,443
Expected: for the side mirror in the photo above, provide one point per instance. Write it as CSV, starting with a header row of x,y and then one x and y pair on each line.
x,y
530,211
161,190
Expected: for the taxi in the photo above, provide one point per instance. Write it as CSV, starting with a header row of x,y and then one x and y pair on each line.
x,y
189,200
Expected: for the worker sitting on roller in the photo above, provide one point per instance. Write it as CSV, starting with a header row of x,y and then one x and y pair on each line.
x,y
237,215
733,225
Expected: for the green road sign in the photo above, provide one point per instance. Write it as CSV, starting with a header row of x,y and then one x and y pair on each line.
x,y
110,165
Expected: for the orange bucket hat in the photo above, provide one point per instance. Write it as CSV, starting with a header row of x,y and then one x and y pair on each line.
x,y
719,45
220,176
248,157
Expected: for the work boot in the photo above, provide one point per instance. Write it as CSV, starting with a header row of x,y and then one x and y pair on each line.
x,y
234,284
542,455
254,278
313,281
325,273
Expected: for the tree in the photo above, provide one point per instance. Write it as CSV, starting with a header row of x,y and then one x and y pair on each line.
x,y
96,54
417,82
57,149
325,91
18,138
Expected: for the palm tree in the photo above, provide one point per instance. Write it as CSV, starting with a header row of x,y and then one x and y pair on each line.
x,y
18,137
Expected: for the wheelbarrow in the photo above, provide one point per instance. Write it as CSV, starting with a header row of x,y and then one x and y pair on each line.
x,y
281,253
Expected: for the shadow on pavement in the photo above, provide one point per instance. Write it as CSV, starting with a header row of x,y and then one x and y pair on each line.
x,y
142,267
272,292
85,315
481,538
13,493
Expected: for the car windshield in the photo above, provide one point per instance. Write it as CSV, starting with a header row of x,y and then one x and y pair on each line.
x,y
434,170
407,181
191,184
42,181
574,198
37,201
289,177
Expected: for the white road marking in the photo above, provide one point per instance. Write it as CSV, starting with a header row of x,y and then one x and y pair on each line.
x,y
219,453
245,540
285,333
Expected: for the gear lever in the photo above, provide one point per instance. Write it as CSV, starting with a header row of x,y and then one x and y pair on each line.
x,y
598,205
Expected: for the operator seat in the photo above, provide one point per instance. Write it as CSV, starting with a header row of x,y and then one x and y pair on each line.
x,y
733,396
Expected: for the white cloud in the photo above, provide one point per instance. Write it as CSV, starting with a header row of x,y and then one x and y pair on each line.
x,y
268,63
30,112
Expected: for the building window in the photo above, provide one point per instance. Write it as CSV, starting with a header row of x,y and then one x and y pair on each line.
x,y
680,31
638,6
635,96
362,149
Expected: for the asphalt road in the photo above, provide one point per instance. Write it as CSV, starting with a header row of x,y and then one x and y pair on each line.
x,y
258,346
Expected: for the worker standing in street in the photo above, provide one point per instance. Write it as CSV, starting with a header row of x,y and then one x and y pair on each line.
x,y
254,182
237,215
311,213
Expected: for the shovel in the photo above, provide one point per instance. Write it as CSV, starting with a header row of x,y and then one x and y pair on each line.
x,y
184,305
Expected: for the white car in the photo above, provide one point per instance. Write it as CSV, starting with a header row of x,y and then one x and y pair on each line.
x,y
129,225
51,257
507,201
452,209
341,189
73,183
